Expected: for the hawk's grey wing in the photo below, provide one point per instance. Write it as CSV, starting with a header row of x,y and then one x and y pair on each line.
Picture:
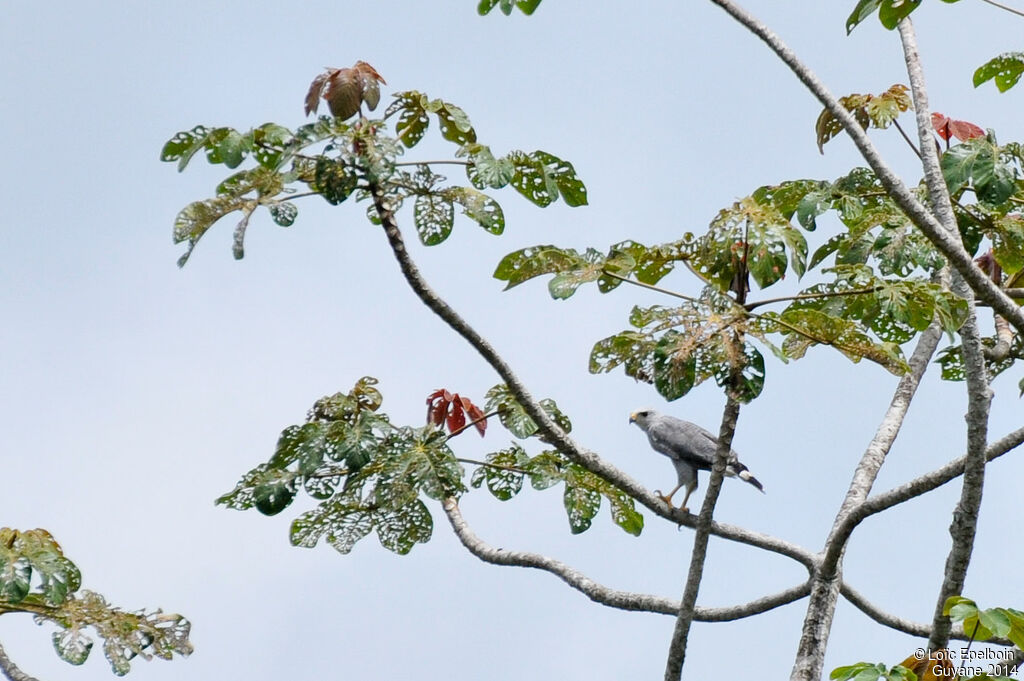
x,y
683,440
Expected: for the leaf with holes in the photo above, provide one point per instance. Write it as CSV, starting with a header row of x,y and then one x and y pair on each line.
x,y
480,208
1005,70
503,473
434,216
283,213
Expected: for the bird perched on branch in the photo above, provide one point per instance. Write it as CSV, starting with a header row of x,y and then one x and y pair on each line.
x,y
691,449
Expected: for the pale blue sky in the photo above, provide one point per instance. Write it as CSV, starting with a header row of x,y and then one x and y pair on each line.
x,y
137,393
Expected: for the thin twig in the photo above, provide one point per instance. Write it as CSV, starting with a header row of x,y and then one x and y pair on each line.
x,y
912,145
451,162
467,426
1004,7
811,296
649,287
496,466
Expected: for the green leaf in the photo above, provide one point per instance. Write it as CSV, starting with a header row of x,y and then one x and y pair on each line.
x,y
72,645
527,263
484,171
675,371
15,578
1008,243
531,179
227,146
404,527
334,180
862,11
434,216
996,621
284,213
183,146
455,125
270,141
514,417
413,122
479,207
574,193
893,11
273,497
581,505
502,481
1006,69
807,327
197,217
547,469
977,162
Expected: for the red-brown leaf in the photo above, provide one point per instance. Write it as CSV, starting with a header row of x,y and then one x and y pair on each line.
x,y
313,96
456,416
948,127
476,414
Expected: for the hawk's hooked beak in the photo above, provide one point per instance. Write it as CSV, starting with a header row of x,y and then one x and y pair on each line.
x,y
632,417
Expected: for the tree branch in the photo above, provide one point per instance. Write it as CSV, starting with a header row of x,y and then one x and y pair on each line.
x,y
623,600
950,247
10,670
827,578
688,606
555,436
904,625
979,397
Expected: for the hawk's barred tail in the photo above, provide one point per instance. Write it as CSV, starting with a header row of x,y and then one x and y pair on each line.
x,y
746,476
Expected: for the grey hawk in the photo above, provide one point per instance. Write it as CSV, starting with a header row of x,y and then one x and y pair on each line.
x,y
691,449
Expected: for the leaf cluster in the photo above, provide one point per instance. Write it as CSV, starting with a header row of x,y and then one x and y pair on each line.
x,y
36,577
876,111
336,161
872,301
1005,70
369,475
981,625
890,12
505,471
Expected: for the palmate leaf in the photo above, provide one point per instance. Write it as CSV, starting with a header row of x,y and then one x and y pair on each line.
x,y
755,231
514,417
434,216
541,177
503,473
1005,70
678,348
978,163
414,119
484,170
343,525
877,111
951,360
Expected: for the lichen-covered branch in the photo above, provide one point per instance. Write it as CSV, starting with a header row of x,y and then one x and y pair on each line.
x,y
906,626
11,670
623,600
979,397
